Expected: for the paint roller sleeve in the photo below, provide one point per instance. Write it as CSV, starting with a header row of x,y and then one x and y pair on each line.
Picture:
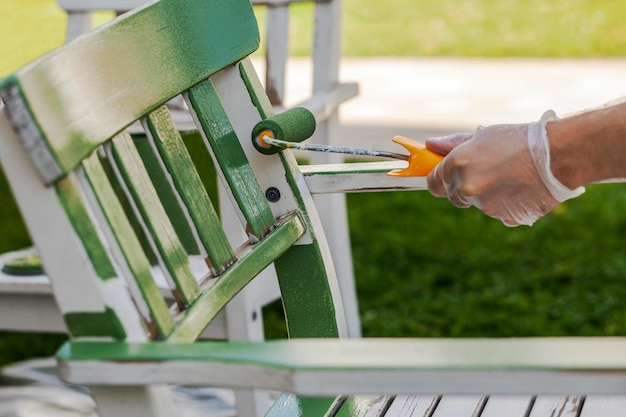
x,y
294,125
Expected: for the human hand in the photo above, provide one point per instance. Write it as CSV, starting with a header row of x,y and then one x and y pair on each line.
x,y
503,170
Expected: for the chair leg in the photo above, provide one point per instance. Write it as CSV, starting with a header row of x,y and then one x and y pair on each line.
x,y
155,401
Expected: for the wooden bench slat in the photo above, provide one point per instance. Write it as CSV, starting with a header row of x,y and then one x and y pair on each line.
x,y
460,406
251,260
508,405
174,259
365,406
170,145
562,406
143,285
414,406
292,405
231,158
604,406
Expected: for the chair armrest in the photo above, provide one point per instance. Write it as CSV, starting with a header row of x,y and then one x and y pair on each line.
x,y
359,177
361,366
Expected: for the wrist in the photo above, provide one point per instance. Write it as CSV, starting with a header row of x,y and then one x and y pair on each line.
x,y
567,149
540,152
589,147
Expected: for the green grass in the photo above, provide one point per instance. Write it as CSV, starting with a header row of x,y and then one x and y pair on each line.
x,y
423,267
477,28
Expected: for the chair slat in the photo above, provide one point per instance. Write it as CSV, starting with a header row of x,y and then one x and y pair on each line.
x,y
175,262
365,406
231,158
292,405
134,257
170,145
250,263
104,323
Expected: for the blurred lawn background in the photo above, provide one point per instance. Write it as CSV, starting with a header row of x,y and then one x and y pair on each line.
x,y
423,267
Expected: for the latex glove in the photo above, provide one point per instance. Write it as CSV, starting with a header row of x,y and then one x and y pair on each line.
x,y
503,170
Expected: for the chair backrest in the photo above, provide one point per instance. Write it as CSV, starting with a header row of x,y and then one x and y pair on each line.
x,y
81,184
325,96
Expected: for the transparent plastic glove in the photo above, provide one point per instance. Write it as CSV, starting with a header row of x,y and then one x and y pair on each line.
x,y
503,170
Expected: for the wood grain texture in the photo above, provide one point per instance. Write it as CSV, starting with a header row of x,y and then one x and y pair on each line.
x,y
80,96
145,289
191,189
161,233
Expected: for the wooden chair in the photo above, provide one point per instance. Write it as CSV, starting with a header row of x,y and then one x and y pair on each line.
x,y
26,300
327,93
73,168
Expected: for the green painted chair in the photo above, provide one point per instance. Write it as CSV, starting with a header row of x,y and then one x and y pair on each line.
x,y
74,171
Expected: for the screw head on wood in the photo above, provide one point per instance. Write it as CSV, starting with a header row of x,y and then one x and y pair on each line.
x,y
272,194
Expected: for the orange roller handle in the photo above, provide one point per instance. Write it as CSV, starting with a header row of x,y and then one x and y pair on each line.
x,y
421,159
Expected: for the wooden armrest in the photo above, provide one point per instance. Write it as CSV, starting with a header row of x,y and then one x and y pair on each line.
x,y
363,366
359,177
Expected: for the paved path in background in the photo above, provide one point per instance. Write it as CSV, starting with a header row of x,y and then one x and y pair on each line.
x,y
422,97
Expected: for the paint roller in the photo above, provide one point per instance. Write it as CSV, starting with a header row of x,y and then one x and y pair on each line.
x,y
289,129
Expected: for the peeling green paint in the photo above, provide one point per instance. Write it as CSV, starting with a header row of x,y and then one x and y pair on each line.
x,y
43,158
129,244
146,198
78,216
166,194
307,300
234,279
190,188
253,84
88,90
231,158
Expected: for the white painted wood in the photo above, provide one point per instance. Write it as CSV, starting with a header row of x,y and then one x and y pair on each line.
x,y
64,259
327,45
413,406
324,104
30,312
134,401
459,406
556,406
551,366
359,177
244,315
60,249
77,24
277,40
507,405
326,96
27,302
326,56
329,383
243,116
604,406
377,409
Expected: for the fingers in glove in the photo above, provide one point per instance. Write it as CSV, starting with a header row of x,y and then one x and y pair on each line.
x,y
443,145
